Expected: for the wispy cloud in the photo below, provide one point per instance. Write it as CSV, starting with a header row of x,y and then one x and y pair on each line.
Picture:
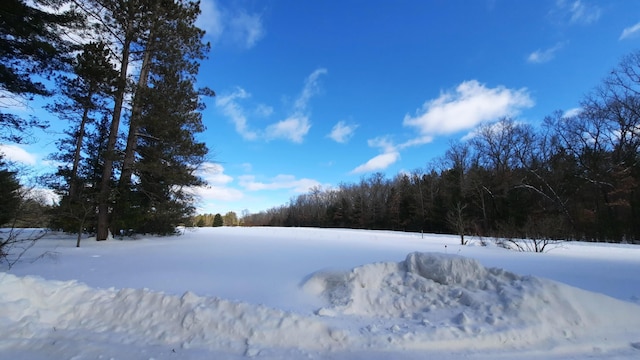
x,y
542,56
211,19
469,105
310,89
578,11
630,32
236,26
377,163
342,132
572,112
296,126
293,128
280,182
390,155
230,106
246,29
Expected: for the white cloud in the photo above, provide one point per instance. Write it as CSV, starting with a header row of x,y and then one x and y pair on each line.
x,y
630,31
578,11
246,29
213,173
469,105
217,187
377,163
219,193
297,125
583,13
382,142
311,88
342,132
572,112
238,27
231,108
389,156
390,152
421,140
541,56
279,182
210,19
293,128
17,154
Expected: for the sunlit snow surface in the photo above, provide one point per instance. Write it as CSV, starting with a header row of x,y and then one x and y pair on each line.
x,y
272,293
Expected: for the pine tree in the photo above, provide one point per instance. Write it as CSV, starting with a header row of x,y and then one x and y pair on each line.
x,y
217,220
9,196
30,45
85,97
160,36
162,151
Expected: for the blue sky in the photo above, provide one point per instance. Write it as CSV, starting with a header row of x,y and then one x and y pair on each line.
x,y
318,93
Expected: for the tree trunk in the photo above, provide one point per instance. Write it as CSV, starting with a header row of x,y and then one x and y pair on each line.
x,y
73,186
102,231
134,124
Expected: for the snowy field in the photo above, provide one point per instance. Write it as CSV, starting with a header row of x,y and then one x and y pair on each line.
x,y
301,293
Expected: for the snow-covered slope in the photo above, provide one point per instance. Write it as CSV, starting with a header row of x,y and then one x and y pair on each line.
x,y
310,293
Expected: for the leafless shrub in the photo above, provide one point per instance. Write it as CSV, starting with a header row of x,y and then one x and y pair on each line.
x,y
14,243
530,238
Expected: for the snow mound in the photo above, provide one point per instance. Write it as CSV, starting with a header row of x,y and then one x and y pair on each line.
x,y
435,300
436,303
36,308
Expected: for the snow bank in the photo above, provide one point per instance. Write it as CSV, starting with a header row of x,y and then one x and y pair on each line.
x,y
35,308
443,305
451,302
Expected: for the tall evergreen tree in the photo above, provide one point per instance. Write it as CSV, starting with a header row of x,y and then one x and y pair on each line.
x,y
84,100
161,38
161,147
31,44
9,196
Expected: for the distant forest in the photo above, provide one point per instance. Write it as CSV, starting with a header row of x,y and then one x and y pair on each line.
x,y
575,176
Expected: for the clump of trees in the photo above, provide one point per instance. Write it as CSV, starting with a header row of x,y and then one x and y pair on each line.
x,y
125,83
209,220
130,151
574,177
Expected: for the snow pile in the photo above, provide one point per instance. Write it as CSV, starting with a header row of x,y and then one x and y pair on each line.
x,y
447,301
35,308
430,304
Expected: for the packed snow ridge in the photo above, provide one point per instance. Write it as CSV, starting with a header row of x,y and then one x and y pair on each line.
x,y
429,301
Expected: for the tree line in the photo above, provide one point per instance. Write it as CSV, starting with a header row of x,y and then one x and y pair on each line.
x,y
122,76
575,176
211,220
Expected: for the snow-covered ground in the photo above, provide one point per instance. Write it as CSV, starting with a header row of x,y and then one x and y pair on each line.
x,y
301,293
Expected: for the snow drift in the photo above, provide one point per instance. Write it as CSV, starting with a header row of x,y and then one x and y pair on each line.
x,y
444,304
33,307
